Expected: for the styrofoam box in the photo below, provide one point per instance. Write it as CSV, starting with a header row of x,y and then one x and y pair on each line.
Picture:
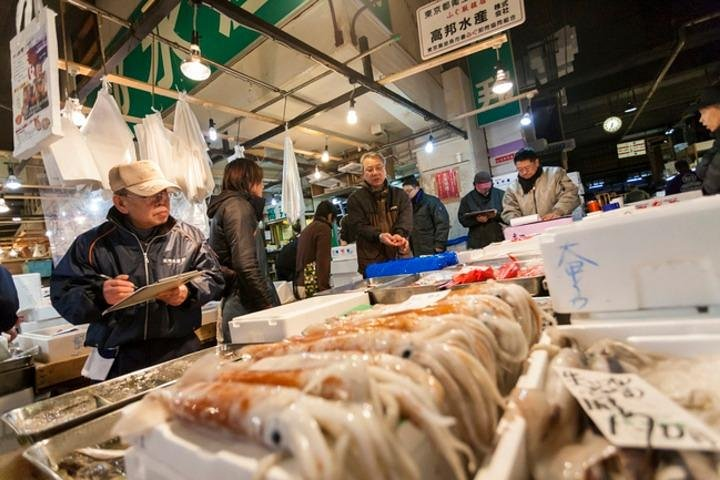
x,y
55,347
679,337
344,252
527,230
344,266
210,313
176,451
39,313
340,279
274,324
646,259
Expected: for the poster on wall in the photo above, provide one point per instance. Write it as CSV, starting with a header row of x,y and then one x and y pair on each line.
x,y
445,25
447,186
35,87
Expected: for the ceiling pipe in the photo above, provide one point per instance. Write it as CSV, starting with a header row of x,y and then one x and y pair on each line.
x,y
668,64
253,22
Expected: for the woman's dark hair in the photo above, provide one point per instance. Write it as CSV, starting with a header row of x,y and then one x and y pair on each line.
x,y
324,209
241,174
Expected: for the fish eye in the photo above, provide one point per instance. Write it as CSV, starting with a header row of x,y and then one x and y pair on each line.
x,y
276,437
406,353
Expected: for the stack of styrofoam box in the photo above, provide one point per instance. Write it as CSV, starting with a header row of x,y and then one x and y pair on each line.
x,y
55,345
35,308
344,266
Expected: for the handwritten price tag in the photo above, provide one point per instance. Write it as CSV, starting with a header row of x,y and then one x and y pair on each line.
x,y
416,302
632,413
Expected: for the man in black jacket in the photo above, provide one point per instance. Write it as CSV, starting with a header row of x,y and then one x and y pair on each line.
x,y
431,223
379,215
485,228
9,303
138,245
708,168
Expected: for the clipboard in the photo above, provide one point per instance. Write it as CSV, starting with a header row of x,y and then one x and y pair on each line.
x,y
149,292
491,213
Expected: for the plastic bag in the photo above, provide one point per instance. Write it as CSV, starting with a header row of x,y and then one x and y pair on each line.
x,y
68,161
293,203
157,144
107,135
191,159
194,213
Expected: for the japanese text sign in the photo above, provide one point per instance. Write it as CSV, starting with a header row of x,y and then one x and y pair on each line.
x,y
446,185
632,413
445,25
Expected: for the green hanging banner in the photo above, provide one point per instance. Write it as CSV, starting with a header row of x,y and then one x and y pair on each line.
x,y
221,40
482,76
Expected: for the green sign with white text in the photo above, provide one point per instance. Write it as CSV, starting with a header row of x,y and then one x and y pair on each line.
x,y
220,40
482,76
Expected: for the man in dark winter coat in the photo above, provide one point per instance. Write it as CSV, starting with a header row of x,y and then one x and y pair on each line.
x,y
379,215
486,228
431,223
9,303
708,168
138,245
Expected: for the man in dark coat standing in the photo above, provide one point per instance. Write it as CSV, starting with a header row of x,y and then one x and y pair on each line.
x,y
483,229
431,223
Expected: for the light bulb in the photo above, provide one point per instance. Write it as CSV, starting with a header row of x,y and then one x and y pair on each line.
x,y
526,120
16,219
352,117
317,173
193,67
48,233
502,84
3,206
325,157
212,134
630,107
430,145
12,182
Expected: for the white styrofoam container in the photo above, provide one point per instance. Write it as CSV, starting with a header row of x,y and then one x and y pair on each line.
x,y
644,259
40,313
176,451
340,279
29,327
54,347
681,337
344,252
344,266
274,324
210,313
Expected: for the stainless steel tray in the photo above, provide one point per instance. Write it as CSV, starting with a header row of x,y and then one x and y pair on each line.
x,y
40,420
47,454
393,294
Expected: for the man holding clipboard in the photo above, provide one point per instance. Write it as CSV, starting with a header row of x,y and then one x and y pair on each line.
x,y
139,246
480,211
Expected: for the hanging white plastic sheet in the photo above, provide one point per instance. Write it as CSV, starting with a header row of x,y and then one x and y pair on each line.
x,y
293,203
107,135
190,154
34,79
157,144
68,161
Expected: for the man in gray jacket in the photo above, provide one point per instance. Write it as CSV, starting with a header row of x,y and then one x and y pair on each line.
x,y
708,169
545,191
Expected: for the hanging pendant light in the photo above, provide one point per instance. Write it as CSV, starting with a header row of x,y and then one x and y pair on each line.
x,y
193,67
352,117
430,145
503,84
317,173
12,182
3,206
212,131
325,157
526,120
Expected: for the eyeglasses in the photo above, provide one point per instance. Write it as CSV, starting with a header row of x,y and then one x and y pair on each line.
x,y
156,199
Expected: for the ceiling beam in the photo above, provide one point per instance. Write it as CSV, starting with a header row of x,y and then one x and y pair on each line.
x,y
253,22
131,39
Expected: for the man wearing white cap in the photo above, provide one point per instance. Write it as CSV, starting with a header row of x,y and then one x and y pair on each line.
x,y
139,244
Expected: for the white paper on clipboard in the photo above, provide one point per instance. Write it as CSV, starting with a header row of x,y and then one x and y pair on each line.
x,y
149,292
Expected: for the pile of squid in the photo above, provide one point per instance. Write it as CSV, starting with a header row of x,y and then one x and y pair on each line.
x,y
335,397
563,443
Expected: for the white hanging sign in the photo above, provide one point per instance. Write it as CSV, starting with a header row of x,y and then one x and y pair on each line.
x,y
34,80
445,25
632,413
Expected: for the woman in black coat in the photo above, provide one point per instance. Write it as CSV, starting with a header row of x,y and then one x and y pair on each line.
x,y
235,237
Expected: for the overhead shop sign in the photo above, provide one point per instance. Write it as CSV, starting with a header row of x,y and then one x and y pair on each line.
x,y
445,25
631,149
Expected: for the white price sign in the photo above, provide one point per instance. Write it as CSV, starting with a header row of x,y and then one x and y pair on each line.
x,y
445,25
415,302
632,413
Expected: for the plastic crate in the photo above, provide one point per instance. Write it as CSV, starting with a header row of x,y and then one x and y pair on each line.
x,y
406,266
